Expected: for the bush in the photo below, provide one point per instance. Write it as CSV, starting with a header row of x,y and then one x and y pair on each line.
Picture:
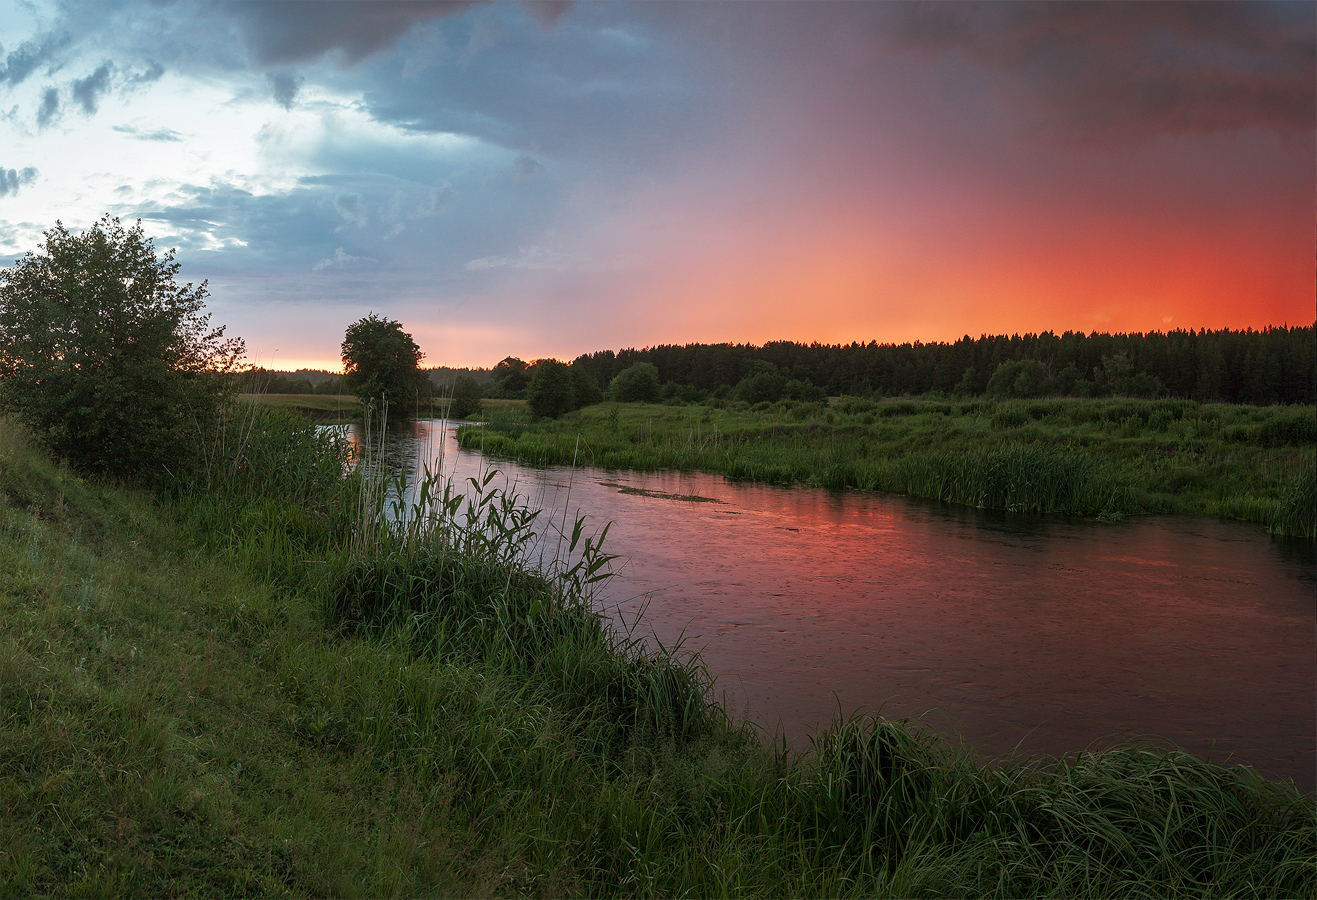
x,y
109,361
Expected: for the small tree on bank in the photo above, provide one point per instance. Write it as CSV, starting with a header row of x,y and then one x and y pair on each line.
x,y
382,362
107,359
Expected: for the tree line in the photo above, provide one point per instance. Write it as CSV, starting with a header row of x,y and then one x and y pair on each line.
x,y
1274,365
260,380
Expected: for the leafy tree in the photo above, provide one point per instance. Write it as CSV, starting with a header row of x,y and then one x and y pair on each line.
x,y
636,384
587,387
1019,378
381,361
969,384
511,376
552,390
803,391
1032,380
110,361
764,384
465,400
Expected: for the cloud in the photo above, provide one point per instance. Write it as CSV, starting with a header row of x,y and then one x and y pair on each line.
x,y
29,55
351,208
530,258
12,179
159,134
1112,73
524,167
607,87
343,260
484,35
548,12
285,86
280,32
88,91
49,109
154,72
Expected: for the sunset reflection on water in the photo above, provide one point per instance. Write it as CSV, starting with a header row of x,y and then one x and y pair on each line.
x,y
1040,634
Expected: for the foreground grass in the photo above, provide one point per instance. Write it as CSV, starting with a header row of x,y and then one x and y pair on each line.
x,y
255,689
1111,457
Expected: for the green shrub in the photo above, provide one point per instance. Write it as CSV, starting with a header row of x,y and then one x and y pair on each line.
x,y
108,360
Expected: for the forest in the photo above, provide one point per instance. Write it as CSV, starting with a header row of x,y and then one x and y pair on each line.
x,y
1273,365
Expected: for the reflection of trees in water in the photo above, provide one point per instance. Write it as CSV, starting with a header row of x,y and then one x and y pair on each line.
x,y
402,449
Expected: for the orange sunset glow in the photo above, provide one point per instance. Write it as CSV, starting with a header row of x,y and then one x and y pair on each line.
x,y
829,172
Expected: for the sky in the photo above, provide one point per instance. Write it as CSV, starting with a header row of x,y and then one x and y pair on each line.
x,y
550,179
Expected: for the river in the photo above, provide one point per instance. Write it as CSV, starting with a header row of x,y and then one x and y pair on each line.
x,y
1018,634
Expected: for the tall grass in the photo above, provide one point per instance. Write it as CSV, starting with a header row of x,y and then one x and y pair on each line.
x,y
1297,514
1019,478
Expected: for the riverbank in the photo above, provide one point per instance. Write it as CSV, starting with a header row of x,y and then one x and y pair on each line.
x,y
248,688
1101,457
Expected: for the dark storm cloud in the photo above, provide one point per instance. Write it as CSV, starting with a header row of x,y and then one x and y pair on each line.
x,y
49,109
607,86
12,179
285,86
1122,72
23,61
88,91
279,33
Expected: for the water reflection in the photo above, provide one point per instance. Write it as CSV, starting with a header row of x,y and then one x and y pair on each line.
x,y
1043,634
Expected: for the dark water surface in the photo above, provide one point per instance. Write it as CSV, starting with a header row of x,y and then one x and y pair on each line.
x,y
1010,631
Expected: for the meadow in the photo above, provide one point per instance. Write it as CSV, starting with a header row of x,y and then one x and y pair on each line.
x,y
1106,458
260,683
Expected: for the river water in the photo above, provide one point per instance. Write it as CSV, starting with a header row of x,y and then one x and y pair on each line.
x,y
1014,633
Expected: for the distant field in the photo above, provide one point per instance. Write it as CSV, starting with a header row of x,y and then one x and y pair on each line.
x,y
345,403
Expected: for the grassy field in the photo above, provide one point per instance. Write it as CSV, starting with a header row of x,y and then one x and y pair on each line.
x,y
344,406
1110,457
259,686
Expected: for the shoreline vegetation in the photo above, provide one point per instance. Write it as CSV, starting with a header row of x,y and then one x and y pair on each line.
x,y
260,683
1105,458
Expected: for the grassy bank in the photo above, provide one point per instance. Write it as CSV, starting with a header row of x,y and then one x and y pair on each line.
x,y
1112,457
253,687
